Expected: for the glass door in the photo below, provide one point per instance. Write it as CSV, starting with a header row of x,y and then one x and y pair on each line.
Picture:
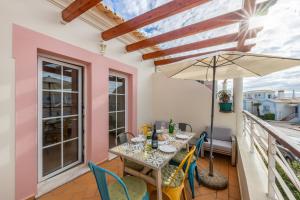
x,y
117,106
60,117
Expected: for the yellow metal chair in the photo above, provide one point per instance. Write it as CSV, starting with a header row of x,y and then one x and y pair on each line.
x,y
173,177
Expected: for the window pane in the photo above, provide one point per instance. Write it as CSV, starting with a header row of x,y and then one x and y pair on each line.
x,y
51,104
121,85
70,152
51,76
112,121
120,102
70,127
112,85
70,79
51,159
51,131
121,119
70,104
112,102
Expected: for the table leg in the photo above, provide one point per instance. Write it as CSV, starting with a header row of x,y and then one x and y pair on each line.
x,y
158,184
123,166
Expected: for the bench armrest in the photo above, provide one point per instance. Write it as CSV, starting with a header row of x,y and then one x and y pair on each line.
x,y
233,149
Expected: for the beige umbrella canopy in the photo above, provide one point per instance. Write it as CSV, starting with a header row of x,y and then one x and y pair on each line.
x,y
220,66
228,65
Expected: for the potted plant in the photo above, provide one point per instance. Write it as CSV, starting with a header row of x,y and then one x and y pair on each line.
x,y
224,101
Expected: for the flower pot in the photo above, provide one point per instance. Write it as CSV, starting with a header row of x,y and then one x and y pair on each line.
x,y
225,107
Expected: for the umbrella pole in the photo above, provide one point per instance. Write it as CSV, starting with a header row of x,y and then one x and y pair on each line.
x,y
208,177
211,157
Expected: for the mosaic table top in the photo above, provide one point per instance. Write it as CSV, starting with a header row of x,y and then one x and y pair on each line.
x,y
152,158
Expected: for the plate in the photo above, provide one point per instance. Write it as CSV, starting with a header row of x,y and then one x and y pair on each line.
x,y
138,139
167,148
162,142
182,136
159,131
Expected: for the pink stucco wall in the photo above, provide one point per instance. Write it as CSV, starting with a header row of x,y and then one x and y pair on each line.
x,y
26,46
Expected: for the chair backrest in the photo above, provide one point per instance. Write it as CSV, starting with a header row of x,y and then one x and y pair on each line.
x,y
100,176
199,144
123,138
184,163
183,126
159,123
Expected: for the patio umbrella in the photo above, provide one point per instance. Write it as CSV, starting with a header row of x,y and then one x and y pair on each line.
x,y
220,66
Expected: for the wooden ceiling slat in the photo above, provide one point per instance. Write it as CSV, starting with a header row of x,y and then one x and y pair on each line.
x,y
177,59
222,20
161,12
201,44
76,8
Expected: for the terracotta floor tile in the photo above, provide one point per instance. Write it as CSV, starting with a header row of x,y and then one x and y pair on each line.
x,y
85,188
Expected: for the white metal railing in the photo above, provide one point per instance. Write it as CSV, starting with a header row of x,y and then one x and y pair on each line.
x,y
266,141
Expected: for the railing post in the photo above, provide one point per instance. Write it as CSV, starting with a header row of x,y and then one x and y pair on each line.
x,y
271,166
244,127
252,136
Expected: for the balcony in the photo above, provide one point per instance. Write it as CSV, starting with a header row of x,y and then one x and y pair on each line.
x,y
262,170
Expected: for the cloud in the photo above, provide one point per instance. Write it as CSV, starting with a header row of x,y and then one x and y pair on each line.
x,y
280,36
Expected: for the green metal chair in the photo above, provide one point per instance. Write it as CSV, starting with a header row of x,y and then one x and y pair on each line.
x,y
193,170
126,188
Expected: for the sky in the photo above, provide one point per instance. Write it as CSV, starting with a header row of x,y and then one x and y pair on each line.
x,y
280,35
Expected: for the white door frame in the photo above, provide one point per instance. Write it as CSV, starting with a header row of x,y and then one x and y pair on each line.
x,y
40,118
121,75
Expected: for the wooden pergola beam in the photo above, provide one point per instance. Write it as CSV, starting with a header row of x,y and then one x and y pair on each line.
x,y
76,8
222,20
201,44
249,7
177,59
161,12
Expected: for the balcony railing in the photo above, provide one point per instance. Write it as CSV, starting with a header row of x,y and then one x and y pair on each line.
x,y
273,146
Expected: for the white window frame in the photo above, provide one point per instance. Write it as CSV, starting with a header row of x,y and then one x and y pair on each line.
x,y
42,58
120,75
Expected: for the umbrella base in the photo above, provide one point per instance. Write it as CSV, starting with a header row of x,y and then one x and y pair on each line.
x,y
217,181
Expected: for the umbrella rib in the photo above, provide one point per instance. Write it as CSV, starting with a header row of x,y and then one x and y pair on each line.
x,y
187,67
228,61
242,67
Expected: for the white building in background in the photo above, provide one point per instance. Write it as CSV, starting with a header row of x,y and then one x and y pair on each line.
x,y
285,109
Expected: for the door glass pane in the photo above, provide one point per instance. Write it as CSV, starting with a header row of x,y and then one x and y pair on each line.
x,y
51,104
51,76
112,121
112,85
51,159
70,152
70,104
112,102
121,119
70,127
120,85
51,131
120,130
120,102
70,77
112,139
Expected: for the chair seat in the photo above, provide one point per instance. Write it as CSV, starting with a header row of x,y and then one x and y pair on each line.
x,y
137,189
181,155
167,173
133,165
219,145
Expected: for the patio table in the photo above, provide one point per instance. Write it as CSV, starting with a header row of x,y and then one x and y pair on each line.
x,y
151,159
